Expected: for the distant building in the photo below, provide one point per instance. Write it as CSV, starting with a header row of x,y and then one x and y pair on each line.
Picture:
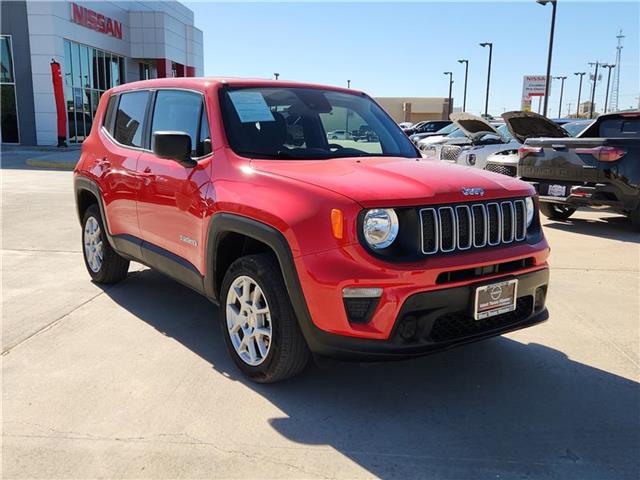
x,y
415,109
585,109
98,45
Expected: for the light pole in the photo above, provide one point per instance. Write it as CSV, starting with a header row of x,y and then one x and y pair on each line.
x,y
450,89
550,53
606,97
562,79
580,74
466,74
348,83
276,75
593,87
486,101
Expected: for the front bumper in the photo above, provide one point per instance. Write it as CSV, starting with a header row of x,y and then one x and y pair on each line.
x,y
437,320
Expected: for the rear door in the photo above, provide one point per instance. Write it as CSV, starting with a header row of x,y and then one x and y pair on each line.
x,y
116,165
171,200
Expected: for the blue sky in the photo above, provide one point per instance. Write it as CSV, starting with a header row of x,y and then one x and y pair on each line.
x,y
402,49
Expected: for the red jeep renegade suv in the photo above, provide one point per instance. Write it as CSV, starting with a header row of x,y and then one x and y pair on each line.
x,y
310,241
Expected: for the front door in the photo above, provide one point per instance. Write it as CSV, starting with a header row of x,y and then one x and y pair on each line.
x,y
171,199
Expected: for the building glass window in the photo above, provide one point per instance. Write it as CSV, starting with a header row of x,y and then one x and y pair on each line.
x,y
8,109
88,72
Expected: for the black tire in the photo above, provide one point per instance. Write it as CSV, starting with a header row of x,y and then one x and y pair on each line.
x,y
113,267
556,211
288,353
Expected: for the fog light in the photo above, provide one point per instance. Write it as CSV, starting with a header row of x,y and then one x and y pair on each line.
x,y
361,302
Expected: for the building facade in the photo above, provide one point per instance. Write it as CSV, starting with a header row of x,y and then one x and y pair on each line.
x,y
98,45
415,109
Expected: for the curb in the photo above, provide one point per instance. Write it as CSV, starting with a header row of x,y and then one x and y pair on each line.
x,y
61,165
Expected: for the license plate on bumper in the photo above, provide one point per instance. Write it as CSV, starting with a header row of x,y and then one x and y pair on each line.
x,y
495,299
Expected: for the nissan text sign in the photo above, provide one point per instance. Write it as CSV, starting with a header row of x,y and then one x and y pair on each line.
x,y
95,21
532,86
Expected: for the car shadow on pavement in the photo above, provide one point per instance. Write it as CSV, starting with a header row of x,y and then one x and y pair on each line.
x,y
616,228
499,408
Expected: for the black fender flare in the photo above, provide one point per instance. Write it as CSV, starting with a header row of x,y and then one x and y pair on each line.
x,y
227,222
81,183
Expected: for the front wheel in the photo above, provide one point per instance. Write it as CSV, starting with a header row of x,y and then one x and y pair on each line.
x,y
259,326
556,211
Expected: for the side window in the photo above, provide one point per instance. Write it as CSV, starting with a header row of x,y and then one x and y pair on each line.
x,y
181,111
110,114
130,117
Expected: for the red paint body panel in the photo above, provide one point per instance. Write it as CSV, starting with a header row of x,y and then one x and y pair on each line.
x,y
159,200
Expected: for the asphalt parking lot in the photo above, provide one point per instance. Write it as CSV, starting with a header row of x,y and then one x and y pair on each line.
x,y
134,381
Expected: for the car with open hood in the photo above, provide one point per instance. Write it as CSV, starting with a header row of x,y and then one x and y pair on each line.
x,y
309,244
520,127
474,133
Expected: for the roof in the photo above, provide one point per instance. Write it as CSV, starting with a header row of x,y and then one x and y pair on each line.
x,y
201,83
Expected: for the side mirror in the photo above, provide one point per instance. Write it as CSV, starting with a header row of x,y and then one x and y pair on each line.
x,y
174,146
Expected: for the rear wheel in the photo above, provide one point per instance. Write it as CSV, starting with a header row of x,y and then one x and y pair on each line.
x,y
102,262
556,211
259,326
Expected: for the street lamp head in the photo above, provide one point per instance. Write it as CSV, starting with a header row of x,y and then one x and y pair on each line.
x,y
447,73
544,2
580,73
486,44
463,61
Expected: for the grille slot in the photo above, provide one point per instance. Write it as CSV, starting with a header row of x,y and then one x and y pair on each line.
x,y
450,152
461,227
509,170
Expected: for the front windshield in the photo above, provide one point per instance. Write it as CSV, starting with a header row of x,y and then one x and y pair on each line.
x,y
452,127
504,132
309,124
457,133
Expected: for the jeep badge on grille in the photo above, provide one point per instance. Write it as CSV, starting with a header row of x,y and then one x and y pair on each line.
x,y
473,191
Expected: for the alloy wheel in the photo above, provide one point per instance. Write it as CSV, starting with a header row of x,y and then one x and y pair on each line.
x,y
93,248
248,320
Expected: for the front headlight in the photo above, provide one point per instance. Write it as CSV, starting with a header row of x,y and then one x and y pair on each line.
x,y
380,227
530,210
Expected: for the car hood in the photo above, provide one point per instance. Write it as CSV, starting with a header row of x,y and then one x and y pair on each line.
x,y
395,181
525,125
472,125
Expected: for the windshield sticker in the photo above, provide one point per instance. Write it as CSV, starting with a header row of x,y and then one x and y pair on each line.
x,y
251,106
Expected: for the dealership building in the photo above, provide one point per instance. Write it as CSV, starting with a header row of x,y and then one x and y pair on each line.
x,y
98,45
415,109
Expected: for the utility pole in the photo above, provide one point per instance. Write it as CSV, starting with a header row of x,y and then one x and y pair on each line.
x,y
562,79
486,102
466,74
348,83
276,75
593,87
550,51
606,96
615,93
569,109
450,89
581,74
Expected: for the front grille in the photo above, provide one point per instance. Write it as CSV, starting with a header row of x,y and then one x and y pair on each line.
x,y
452,228
459,325
509,170
450,152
